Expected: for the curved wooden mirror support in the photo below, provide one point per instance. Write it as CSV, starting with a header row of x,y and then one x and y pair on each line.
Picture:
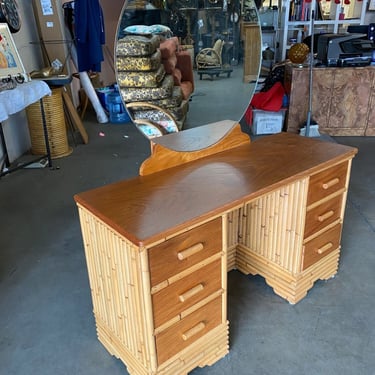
x,y
220,90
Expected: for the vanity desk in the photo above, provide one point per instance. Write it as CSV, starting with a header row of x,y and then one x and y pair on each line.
x,y
159,246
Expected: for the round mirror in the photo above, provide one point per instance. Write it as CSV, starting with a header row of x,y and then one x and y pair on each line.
x,y
186,63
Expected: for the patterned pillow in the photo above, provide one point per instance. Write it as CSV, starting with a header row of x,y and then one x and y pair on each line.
x,y
138,63
137,45
133,94
147,30
141,79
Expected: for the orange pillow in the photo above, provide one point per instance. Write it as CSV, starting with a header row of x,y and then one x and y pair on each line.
x,y
168,47
170,64
177,76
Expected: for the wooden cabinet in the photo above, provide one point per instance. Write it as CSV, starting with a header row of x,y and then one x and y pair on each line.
x,y
370,130
158,247
160,306
251,35
342,102
291,236
325,208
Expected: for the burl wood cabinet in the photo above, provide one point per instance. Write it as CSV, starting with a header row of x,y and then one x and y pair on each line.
x,y
343,99
159,246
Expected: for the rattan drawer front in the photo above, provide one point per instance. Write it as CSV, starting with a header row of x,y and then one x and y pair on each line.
x,y
327,182
321,246
183,251
323,215
181,295
188,330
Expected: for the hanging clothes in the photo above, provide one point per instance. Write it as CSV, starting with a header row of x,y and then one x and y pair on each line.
x,y
90,35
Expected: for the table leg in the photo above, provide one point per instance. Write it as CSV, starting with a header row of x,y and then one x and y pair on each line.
x,y
45,131
4,146
8,170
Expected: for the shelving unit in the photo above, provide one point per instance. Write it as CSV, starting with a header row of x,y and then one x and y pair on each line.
x,y
330,17
269,22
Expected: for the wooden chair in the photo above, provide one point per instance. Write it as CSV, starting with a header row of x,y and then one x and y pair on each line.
x,y
209,58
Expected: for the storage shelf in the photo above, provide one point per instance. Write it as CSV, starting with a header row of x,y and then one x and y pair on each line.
x,y
355,13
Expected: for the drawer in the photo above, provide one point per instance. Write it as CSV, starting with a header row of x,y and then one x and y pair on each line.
x,y
323,215
327,182
181,295
188,330
183,251
320,246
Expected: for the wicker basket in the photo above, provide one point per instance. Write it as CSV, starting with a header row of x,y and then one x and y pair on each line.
x,y
56,126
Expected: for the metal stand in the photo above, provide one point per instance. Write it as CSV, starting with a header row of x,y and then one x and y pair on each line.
x,y
7,169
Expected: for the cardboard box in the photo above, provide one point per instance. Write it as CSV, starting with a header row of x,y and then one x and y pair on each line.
x,y
267,122
50,22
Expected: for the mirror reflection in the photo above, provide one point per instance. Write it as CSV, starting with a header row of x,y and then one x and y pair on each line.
x,y
186,63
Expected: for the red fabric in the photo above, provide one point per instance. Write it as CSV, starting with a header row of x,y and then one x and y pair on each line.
x,y
271,100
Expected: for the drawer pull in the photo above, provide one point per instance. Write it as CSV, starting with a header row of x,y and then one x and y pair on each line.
x,y
193,331
190,293
330,183
326,216
324,248
181,255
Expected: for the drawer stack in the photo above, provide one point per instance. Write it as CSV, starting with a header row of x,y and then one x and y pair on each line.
x,y
187,289
324,214
291,236
162,309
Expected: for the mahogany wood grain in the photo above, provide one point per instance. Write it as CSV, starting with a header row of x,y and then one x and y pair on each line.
x,y
167,303
146,208
164,260
327,182
178,337
175,149
320,246
323,215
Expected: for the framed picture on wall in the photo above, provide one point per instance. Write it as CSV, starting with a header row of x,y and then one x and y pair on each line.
x,y
10,63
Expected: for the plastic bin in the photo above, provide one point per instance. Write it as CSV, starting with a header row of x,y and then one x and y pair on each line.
x,y
117,111
102,93
267,122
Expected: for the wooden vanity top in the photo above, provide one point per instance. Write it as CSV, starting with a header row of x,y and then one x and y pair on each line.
x,y
147,208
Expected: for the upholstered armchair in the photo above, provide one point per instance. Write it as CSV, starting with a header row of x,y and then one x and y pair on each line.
x,y
179,64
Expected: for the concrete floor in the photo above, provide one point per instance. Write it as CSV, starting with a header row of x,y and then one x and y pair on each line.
x,y
47,326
